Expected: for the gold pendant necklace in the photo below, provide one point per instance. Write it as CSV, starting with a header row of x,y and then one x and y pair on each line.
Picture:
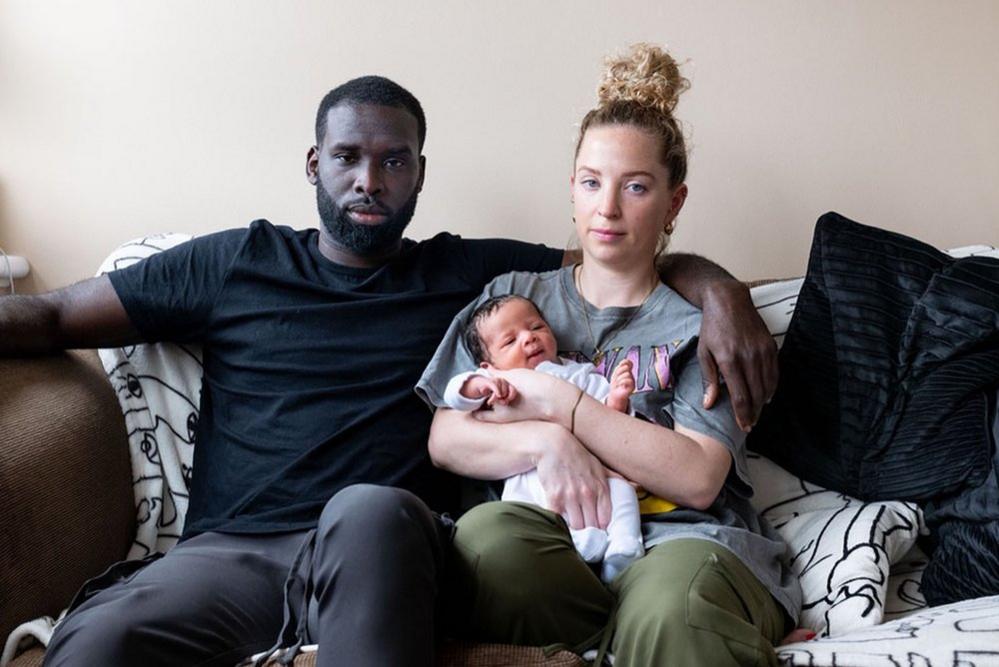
x,y
598,353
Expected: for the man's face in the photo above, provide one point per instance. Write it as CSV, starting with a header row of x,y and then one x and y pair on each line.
x,y
368,173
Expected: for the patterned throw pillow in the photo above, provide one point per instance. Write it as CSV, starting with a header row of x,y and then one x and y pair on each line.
x,y
841,549
159,390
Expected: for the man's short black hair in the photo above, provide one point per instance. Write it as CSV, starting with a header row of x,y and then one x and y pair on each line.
x,y
470,334
371,90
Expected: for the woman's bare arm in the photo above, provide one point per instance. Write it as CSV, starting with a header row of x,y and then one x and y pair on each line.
x,y
574,480
679,465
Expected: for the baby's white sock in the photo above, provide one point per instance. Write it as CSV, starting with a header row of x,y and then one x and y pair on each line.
x,y
591,543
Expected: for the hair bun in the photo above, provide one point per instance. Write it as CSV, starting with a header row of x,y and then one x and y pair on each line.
x,y
646,75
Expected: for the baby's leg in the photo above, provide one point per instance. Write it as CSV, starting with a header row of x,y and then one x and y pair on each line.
x,y
624,532
590,542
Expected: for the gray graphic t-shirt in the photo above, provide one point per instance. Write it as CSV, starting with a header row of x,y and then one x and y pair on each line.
x,y
661,341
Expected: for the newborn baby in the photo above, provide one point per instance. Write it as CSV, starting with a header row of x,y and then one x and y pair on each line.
x,y
508,332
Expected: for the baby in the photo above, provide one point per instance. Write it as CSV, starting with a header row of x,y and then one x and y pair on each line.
x,y
509,332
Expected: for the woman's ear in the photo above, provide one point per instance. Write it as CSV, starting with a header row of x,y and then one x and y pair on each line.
x,y
675,204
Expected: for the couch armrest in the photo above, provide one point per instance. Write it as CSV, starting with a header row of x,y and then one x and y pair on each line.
x,y
66,507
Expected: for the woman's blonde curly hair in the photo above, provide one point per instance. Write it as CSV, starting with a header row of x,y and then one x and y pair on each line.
x,y
641,88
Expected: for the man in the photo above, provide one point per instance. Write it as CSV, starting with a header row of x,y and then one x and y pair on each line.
x,y
312,491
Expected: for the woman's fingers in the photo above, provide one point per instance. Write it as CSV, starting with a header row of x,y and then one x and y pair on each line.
x,y
573,515
575,482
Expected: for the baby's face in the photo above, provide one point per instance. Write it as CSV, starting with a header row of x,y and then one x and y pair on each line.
x,y
516,336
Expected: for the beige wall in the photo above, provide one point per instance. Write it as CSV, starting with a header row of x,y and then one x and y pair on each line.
x,y
122,118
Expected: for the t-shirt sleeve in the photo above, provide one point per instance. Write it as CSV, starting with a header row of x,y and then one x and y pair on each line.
x,y
487,258
170,296
452,357
719,423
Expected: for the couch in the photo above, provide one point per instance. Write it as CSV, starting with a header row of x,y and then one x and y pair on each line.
x,y
69,511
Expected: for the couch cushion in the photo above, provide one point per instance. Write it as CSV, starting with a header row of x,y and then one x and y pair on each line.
x,y
66,508
964,633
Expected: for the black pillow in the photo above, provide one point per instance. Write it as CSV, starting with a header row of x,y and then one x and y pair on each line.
x,y
887,375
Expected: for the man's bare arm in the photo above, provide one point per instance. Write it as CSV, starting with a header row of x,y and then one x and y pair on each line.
x,y
86,314
733,338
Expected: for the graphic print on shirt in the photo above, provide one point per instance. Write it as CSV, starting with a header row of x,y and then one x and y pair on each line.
x,y
651,371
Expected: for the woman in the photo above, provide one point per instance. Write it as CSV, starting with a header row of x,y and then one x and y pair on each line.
x,y
713,588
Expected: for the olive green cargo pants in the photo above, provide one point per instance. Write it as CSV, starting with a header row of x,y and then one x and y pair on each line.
x,y
516,578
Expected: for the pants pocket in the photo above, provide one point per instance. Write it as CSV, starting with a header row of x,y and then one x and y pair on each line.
x,y
718,602
120,572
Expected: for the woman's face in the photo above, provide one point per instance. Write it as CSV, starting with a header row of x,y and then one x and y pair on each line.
x,y
622,199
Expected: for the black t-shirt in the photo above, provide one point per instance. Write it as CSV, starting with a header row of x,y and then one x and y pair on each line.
x,y
309,365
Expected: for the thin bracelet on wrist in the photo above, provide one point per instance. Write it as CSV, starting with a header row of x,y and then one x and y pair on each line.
x,y
572,415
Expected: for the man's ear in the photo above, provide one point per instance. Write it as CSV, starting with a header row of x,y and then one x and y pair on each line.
x,y
423,173
312,165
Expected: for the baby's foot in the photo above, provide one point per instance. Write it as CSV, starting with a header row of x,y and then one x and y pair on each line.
x,y
591,543
620,554
622,387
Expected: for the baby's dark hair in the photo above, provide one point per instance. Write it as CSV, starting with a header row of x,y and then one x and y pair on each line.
x,y
470,334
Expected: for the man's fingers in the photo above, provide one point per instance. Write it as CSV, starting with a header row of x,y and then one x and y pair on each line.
x,y
739,393
709,376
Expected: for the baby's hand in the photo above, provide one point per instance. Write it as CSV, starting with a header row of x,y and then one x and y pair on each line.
x,y
622,387
497,391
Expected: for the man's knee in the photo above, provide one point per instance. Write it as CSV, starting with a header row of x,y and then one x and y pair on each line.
x,y
372,512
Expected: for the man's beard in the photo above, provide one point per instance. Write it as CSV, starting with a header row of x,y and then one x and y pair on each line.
x,y
364,240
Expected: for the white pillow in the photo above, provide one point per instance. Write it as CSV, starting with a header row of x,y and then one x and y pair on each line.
x,y
841,549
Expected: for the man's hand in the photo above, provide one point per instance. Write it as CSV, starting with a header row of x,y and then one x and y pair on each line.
x,y
496,391
574,480
735,341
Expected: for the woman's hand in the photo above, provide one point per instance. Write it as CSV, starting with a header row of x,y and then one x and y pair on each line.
x,y
574,480
539,396
735,341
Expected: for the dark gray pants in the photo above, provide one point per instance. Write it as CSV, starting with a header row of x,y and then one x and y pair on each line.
x,y
216,598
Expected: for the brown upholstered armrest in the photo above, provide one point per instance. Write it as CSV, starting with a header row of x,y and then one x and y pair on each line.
x,y
66,508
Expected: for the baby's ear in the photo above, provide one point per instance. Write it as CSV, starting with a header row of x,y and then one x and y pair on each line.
x,y
485,364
